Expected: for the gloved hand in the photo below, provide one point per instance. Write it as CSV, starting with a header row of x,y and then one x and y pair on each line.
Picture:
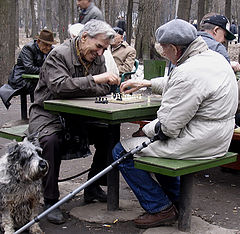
x,y
159,133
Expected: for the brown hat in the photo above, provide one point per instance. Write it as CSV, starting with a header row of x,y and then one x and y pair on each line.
x,y
46,36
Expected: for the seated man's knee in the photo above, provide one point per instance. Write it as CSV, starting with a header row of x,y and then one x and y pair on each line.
x,y
118,151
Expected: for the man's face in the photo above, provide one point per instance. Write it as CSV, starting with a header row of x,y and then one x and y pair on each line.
x,y
169,51
83,4
219,34
117,40
44,47
90,47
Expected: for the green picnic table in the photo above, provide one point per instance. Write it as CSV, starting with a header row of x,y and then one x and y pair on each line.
x,y
113,114
23,97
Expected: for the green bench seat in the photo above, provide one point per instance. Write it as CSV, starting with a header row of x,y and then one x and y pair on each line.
x,y
13,131
185,169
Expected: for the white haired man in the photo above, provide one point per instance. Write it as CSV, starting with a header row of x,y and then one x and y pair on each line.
x,y
195,120
76,68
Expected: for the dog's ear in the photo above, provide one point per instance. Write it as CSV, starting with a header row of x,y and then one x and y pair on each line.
x,y
13,148
33,138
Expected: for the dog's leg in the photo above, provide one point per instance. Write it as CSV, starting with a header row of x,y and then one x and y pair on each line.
x,y
7,223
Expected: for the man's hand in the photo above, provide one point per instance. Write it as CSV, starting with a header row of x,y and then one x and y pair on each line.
x,y
131,86
235,66
107,78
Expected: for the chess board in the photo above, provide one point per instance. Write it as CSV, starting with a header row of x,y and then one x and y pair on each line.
x,y
125,98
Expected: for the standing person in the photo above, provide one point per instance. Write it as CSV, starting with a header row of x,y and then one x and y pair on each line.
x,y
195,120
123,54
121,23
88,11
29,61
76,68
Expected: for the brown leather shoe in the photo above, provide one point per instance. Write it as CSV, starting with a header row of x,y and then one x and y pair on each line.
x,y
162,218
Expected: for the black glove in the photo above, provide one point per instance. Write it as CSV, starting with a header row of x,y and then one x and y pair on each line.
x,y
159,132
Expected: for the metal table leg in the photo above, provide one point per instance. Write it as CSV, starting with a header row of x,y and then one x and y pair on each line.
x,y
113,175
185,204
23,98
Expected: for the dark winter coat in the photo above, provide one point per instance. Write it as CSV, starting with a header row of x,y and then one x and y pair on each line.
x,y
62,77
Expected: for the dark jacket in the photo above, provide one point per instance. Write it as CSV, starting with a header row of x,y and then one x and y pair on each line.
x,y
62,77
29,61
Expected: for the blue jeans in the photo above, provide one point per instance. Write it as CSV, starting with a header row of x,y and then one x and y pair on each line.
x,y
154,196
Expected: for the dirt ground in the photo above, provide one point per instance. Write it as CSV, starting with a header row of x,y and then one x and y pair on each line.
x,y
216,197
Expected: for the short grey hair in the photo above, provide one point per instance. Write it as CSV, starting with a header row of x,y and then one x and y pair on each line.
x,y
207,26
95,27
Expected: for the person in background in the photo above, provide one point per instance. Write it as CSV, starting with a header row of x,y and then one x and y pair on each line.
x,y
88,11
233,28
123,54
215,30
75,68
73,31
30,61
195,120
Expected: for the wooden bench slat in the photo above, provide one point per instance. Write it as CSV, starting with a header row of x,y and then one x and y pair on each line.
x,y
176,167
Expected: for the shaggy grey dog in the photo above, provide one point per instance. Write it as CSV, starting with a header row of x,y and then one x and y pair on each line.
x,y
21,169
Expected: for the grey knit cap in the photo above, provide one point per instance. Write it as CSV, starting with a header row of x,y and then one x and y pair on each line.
x,y
176,32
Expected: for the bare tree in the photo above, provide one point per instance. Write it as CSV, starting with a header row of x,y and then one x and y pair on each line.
x,y
7,38
26,17
228,9
129,21
48,14
184,9
106,6
201,10
34,25
145,30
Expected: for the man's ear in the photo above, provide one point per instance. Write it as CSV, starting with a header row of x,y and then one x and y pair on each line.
x,y
215,30
84,36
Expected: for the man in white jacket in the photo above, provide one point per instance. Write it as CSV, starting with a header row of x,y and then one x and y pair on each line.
x,y
195,120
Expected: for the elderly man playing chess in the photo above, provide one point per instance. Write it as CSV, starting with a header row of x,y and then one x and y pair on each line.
x,y
76,68
195,120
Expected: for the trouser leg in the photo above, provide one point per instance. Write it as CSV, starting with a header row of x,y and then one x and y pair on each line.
x,y
148,191
51,153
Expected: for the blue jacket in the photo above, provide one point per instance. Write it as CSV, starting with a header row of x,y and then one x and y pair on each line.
x,y
214,45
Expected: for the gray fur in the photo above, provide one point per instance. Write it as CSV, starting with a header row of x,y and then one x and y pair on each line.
x,y
21,169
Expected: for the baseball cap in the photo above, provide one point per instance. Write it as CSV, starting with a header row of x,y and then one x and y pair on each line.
x,y
118,30
223,22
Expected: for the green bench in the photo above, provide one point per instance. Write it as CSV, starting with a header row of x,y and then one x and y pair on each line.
x,y
14,130
185,169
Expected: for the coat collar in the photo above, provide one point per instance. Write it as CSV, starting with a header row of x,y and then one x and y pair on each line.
x,y
196,47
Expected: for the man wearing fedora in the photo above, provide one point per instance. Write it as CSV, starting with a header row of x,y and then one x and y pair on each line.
x,y
29,61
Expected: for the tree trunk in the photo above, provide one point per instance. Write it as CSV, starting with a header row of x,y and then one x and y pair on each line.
x,y
228,9
7,38
72,11
129,21
145,28
184,9
107,11
63,20
17,25
48,13
201,11
34,25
